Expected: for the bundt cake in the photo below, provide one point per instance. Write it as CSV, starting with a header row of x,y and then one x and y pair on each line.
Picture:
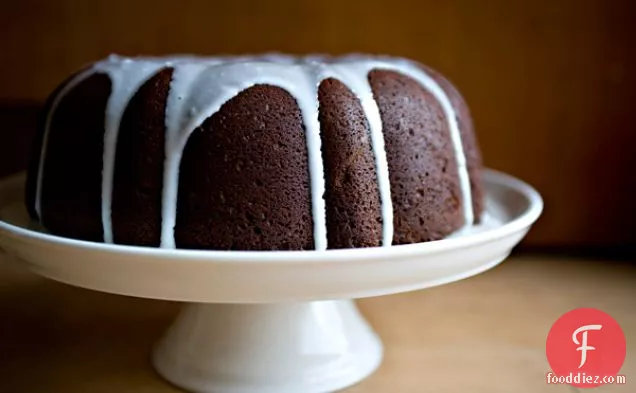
x,y
256,153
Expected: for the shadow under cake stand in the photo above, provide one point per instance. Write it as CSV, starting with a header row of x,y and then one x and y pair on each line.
x,y
271,322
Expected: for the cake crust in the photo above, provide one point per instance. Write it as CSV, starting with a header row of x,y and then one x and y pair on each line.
x,y
426,200
71,184
244,182
138,178
352,198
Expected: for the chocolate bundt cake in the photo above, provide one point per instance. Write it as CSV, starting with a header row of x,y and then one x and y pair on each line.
x,y
256,153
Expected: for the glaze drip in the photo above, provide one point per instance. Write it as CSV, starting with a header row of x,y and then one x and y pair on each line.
x,y
200,87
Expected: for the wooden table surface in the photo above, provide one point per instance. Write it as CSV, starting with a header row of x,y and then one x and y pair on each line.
x,y
484,334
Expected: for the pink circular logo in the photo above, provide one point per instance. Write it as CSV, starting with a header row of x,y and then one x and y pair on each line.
x,y
585,348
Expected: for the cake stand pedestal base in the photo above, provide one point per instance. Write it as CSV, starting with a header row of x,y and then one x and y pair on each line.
x,y
311,347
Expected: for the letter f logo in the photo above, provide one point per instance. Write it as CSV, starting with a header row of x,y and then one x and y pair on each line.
x,y
583,344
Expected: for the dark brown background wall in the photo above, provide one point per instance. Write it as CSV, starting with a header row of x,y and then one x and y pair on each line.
x,y
550,83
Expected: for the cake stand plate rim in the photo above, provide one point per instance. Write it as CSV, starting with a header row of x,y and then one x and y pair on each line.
x,y
269,277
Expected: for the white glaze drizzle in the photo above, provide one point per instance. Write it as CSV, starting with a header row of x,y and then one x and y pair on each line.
x,y
183,77
223,82
200,86
126,77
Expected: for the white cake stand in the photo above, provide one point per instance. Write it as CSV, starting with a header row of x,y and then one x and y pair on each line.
x,y
270,322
